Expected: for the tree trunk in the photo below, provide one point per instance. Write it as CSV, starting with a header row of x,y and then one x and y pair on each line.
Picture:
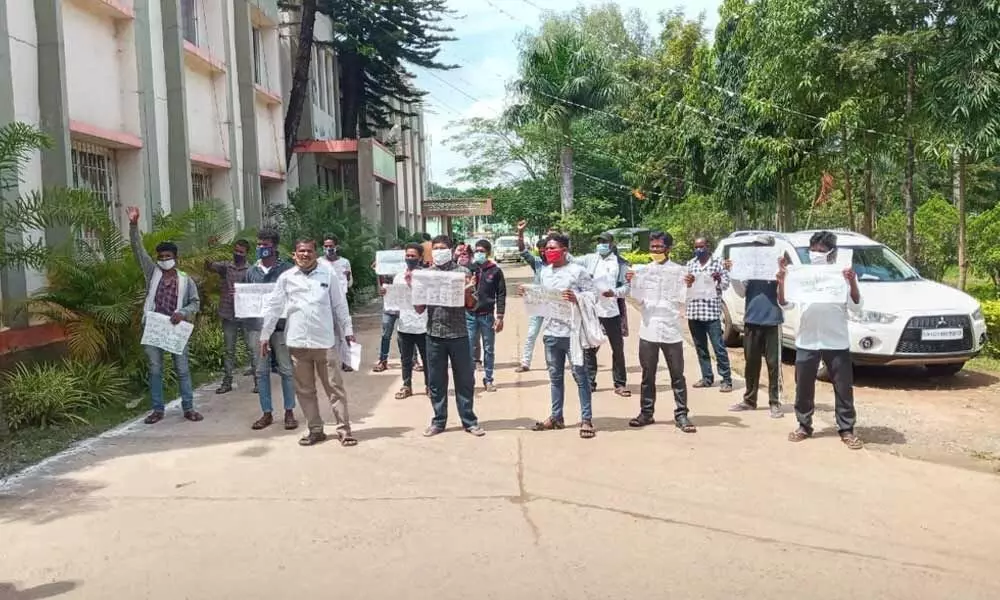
x,y
849,198
785,209
868,222
566,168
300,78
908,199
963,259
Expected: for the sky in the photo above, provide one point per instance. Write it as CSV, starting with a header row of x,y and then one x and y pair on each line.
x,y
486,49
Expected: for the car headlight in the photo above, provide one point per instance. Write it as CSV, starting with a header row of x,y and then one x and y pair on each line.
x,y
871,316
978,315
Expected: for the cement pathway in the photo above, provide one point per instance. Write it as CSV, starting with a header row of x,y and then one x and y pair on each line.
x,y
215,511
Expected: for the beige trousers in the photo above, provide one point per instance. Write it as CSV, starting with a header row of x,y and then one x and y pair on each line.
x,y
311,364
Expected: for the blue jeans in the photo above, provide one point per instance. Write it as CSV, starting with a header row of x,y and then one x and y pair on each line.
x,y
534,328
556,354
704,333
388,324
155,356
279,349
482,325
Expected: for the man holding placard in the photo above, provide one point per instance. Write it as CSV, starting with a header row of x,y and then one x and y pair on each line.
x,y
169,292
448,341
660,331
231,273
823,304
311,298
266,271
386,268
704,314
411,324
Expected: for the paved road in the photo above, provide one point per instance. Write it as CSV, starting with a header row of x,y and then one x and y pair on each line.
x,y
215,511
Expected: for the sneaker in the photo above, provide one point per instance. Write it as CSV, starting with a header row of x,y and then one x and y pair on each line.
x,y
433,430
225,388
702,383
726,387
776,412
490,387
476,431
522,369
741,406
346,368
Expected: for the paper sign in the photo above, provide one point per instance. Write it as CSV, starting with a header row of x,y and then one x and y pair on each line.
x,y
704,287
390,262
754,263
161,333
845,257
547,302
397,296
816,284
660,285
438,288
248,299
354,355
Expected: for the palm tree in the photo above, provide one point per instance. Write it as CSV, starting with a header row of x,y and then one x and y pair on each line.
x,y
563,77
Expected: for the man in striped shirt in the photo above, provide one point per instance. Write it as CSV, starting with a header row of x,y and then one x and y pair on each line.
x,y
705,316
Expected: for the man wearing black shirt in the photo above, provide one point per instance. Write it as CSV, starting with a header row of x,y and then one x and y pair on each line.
x,y
485,318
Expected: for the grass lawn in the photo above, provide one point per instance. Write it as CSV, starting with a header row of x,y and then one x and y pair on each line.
x,y
984,364
28,446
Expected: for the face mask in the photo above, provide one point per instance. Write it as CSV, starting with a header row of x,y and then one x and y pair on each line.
x,y
479,257
442,256
604,249
553,256
819,258
412,263
239,258
265,253
331,252
166,265
701,252
658,257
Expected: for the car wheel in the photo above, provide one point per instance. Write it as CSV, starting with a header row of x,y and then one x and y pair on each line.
x,y
946,370
730,335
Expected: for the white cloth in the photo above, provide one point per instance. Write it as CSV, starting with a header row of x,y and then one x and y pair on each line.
x,y
586,328
606,270
410,321
342,267
314,302
149,305
569,277
824,326
661,319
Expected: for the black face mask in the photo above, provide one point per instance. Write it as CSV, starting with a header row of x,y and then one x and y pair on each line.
x,y
412,263
331,252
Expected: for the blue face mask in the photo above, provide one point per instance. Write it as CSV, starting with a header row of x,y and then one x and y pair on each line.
x,y
604,249
479,257
701,252
263,253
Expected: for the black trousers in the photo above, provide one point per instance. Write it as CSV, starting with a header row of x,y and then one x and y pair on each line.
x,y
409,345
762,342
838,364
441,351
613,329
649,359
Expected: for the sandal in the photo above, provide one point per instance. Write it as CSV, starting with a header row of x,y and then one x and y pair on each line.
x,y
290,421
587,430
380,366
549,424
266,420
522,369
404,392
851,441
312,438
193,415
346,368
799,435
346,439
154,417
419,368
641,421
624,392
685,425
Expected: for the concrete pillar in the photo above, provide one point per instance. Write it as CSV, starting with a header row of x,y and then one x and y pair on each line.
x,y
147,107
179,152
252,196
236,183
13,285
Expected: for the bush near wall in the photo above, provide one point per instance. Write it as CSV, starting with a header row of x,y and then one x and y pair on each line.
x,y
991,310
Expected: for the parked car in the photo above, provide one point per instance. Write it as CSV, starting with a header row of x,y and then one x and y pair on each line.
x,y
505,249
904,318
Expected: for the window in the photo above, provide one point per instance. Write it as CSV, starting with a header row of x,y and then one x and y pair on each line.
x,y
95,169
201,185
189,20
873,263
259,67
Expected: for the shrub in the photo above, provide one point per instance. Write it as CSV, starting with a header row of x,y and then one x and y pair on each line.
x,y
936,224
991,310
984,231
636,258
101,384
43,395
207,346
694,217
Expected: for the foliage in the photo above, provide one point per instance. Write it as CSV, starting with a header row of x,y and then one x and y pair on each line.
x,y
698,216
206,348
637,258
585,222
43,395
984,232
936,235
991,310
101,384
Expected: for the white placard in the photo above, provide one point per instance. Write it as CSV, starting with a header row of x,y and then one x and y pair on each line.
x,y
660,285
754,263
546,302
248,299
438,288
354,355
397,296
390,262
704,287
816,284
845,257
161,333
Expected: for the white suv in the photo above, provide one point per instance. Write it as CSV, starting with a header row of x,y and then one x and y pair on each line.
x,y
905,319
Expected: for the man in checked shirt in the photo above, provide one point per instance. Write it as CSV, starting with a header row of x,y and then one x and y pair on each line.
x,y
705,315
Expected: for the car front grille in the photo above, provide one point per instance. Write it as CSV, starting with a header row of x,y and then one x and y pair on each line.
x,y
910,342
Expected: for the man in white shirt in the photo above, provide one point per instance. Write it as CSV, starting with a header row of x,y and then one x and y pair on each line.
x,y
609,277
411,325
342,267
823,336
310,295
571,279
660,331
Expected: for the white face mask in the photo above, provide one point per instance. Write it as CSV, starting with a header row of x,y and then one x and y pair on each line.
x,y
166,265
442,256
819,258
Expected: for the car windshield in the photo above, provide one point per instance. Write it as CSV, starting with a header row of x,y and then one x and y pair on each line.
x,y
873,263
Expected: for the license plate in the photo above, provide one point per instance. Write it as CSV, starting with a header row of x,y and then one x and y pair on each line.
x,y
941,334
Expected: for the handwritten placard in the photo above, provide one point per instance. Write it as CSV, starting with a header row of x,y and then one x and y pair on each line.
x,y
546,302
660,285
438,288
390,262
248,299
754,263
704,287
397,297
159,332
816,284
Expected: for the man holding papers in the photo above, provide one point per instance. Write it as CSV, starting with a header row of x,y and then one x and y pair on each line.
x,y
412,325
660,331
705,315
311,297
267,270
823,336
